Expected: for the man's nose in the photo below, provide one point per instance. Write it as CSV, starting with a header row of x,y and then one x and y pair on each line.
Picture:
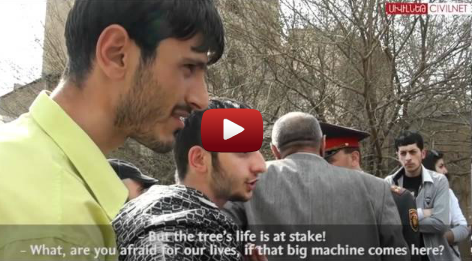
x,y
198,96
258,164
408,157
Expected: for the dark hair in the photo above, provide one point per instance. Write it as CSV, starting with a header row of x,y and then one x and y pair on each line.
x,y
189,136
126,170
431,158
147,22
408,137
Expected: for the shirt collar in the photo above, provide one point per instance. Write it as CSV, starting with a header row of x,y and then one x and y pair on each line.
x,y
84,154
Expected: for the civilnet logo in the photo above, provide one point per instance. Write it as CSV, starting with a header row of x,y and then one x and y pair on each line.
x,y
428,8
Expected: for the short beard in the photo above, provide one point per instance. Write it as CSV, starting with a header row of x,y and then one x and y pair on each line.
x,y
134,112
222,184
417,169
153,144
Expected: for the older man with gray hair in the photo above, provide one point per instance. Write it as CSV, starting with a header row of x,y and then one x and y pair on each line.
x,y
301,192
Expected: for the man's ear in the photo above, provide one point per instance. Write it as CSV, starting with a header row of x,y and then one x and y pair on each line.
x,y
322,147
112,51
356,158
424,152
276,152
198,159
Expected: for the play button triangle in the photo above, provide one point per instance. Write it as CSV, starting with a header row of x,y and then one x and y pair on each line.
x,y
231,129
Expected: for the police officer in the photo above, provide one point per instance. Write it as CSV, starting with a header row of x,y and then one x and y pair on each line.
x,y
342,149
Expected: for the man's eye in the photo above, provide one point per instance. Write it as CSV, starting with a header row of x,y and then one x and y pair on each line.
x,y
191,67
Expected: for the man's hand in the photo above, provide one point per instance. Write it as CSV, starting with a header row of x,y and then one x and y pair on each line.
x,y
449,236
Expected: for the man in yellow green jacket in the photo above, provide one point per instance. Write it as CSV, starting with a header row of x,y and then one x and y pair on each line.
x,y
135,69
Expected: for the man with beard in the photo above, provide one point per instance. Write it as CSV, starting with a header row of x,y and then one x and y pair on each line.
x,y
431,192
206,181
342,148
135,68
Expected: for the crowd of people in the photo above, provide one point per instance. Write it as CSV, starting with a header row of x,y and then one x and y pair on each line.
x,y
136,69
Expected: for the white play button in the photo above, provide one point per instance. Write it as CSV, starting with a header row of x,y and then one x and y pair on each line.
x,y
231,129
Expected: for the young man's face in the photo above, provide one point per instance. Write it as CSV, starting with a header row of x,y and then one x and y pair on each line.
x,y
411,157
237,175
440,167
162,91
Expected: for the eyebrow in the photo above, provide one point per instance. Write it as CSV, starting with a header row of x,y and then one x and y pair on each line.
x,y
197,62
407,151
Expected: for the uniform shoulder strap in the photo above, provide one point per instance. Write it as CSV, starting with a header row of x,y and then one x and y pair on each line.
x,y
397,190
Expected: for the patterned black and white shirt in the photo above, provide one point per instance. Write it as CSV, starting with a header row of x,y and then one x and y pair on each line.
x,y
175,223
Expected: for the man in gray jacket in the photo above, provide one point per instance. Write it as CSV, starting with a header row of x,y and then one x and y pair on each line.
x,y
301,192
431,192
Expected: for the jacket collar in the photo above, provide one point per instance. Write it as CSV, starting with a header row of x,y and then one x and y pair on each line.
x,y
398,176
304,155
